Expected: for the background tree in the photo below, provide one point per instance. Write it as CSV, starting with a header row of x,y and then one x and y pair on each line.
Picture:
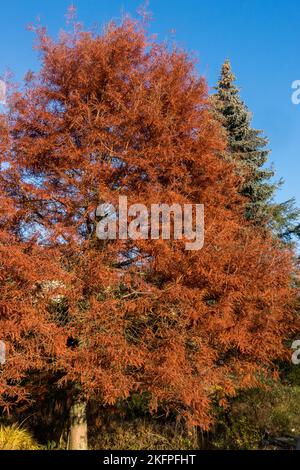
x,y
115,114
248,149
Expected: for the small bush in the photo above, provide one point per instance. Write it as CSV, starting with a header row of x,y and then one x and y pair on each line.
x,y
17,438
238,433
257,416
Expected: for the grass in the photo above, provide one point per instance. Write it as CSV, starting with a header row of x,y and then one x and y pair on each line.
x,y
16,438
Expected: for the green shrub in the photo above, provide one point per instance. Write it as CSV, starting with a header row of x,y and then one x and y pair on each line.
x,y
238,433
257,415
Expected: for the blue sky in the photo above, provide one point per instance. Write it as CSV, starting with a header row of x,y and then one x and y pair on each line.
x,y
261,38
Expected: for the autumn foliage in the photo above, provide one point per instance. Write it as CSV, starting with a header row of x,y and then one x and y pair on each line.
x,y
120,114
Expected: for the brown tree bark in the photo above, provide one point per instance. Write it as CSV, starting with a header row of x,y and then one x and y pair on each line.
x,y
78,428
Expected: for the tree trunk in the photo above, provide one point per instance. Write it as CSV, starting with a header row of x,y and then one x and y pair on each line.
x,y
78,429
193,433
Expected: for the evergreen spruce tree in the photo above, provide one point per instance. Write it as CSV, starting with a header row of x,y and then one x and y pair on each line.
x,y
248,149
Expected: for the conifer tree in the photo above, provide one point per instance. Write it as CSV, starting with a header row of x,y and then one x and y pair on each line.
x,y
248,149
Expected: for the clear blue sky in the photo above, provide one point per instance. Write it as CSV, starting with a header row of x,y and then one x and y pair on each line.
x,y
261,37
